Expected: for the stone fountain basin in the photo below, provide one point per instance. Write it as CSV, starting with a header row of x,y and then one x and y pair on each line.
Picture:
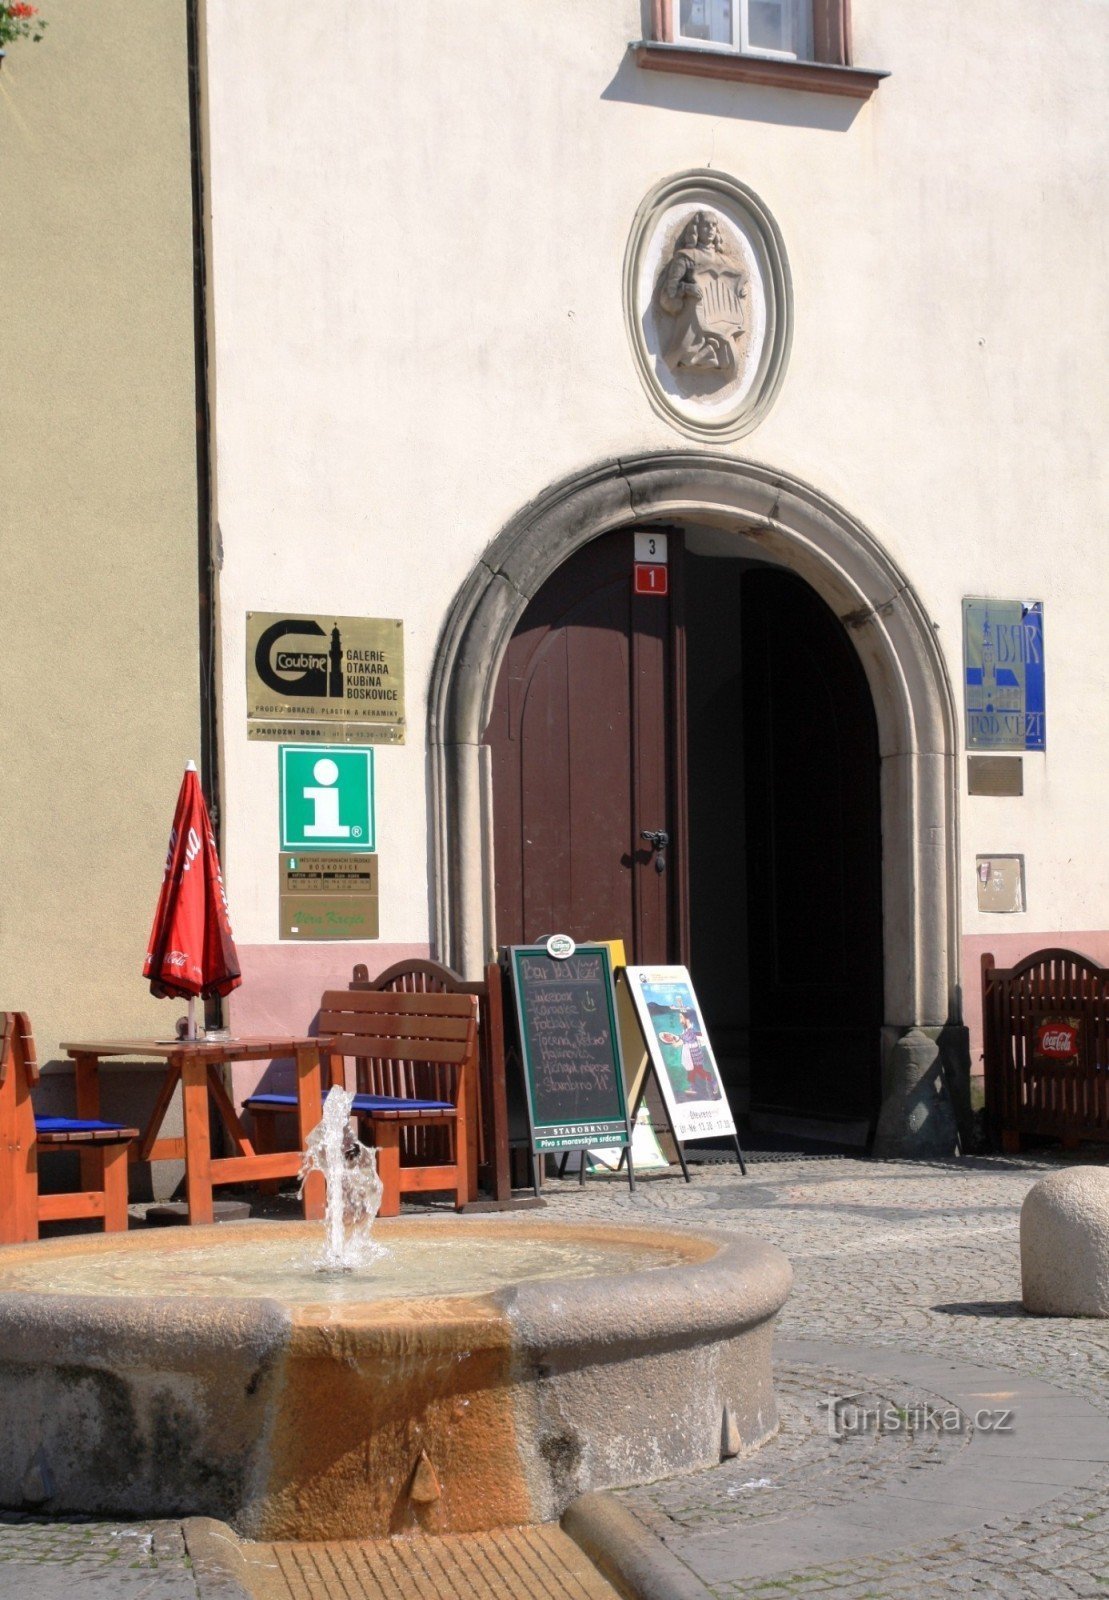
x,y
327,1419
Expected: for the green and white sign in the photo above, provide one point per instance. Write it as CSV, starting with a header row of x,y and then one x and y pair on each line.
x,y
327,797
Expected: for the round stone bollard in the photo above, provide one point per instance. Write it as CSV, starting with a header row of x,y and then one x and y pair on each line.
x,y
1064,1244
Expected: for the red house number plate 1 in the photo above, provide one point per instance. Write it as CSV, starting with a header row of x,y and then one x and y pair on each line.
x,y
651,578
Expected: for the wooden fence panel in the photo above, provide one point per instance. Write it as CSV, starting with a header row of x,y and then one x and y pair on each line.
x,y
1052,1000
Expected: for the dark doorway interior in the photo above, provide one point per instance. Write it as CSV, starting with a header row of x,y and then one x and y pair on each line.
x,y
784,843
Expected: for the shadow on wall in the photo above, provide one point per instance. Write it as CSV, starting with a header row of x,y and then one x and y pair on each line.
x,y
747,102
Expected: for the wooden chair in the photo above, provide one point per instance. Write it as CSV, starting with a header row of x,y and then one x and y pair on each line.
x,y
421,976
416,1066
415,1073
104,1145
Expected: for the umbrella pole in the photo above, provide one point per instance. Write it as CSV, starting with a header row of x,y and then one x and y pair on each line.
x,y
191,1034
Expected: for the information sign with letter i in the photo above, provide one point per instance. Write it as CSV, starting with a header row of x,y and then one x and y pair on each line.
x,y
327,798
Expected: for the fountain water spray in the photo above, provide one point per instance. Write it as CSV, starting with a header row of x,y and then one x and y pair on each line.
x,y
353,1186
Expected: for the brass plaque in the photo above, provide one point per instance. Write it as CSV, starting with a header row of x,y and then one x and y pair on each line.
x,y
326,679
329,874
1002,775
327,896
328,916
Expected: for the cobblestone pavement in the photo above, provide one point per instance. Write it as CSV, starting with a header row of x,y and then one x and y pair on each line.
x,y
805,1466
919,1257
44,1560
923,1257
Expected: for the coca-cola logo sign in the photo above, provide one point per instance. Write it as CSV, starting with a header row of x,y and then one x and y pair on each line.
x,y
1057,1038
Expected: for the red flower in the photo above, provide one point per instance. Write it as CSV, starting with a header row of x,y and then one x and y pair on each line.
x,y
19,9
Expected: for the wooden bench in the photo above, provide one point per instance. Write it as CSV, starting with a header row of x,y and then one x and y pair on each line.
x,y
415,1068
103,1146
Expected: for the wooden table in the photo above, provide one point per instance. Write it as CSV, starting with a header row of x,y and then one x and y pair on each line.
x,y
195,1065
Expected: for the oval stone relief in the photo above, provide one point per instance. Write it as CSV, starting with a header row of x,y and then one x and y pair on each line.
x,y
707,299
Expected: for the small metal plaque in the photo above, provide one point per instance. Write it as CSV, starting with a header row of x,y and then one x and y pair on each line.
x,y
999,775
328,874
328,896
652,549
327,679
1000,883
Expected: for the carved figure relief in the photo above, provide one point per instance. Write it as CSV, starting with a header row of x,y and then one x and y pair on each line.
x,y
707,302
702,288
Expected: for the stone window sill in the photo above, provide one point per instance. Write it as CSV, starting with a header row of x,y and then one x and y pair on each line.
x,y
818,77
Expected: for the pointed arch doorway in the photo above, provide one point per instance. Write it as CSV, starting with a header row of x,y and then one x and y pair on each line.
x,y
791,526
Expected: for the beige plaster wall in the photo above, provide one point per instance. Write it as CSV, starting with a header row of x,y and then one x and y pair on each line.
x,y
98,507
419,216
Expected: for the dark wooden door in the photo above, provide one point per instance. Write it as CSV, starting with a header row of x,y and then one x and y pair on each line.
x,y
813,856
580,737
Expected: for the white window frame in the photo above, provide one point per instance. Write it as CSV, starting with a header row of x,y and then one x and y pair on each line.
x,y
741,41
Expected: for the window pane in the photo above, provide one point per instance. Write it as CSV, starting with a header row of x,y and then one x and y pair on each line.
x,y
706,19
773,25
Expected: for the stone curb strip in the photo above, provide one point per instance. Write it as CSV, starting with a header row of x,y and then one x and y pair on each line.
x,y
633,1560
219,1565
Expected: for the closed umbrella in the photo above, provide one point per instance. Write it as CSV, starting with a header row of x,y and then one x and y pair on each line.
x,y
191,951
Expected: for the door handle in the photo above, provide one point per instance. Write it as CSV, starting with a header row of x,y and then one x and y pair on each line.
x,y
658,839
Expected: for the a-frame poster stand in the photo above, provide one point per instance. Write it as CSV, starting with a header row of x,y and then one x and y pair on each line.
x,y
677,1053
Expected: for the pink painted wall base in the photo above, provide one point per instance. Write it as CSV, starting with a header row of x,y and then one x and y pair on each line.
x,y
280,994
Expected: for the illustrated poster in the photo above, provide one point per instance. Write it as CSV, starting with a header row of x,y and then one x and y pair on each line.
x,y
685,1066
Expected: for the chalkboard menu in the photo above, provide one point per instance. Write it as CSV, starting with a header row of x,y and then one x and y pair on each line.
x,y
569,1047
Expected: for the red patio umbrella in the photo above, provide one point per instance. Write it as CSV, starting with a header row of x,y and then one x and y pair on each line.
x,y
191,951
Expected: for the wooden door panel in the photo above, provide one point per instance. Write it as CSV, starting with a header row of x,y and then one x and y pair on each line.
x,y
548,828
580,758
652,768
598,773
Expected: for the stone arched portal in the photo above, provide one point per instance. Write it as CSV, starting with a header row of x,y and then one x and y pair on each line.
x,y
799,527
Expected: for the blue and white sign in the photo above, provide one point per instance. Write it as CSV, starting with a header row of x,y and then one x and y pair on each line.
x,y
1003,645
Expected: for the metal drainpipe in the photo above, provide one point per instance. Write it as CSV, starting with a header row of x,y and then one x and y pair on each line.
x,y
207,554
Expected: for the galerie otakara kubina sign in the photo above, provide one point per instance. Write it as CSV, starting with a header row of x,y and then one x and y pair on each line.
x,y
324,678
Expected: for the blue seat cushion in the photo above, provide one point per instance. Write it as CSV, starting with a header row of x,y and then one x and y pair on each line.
x,y
75,1125
368,1103
365,1103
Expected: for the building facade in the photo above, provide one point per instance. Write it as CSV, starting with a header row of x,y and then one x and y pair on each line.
x,y
100,507
669,378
